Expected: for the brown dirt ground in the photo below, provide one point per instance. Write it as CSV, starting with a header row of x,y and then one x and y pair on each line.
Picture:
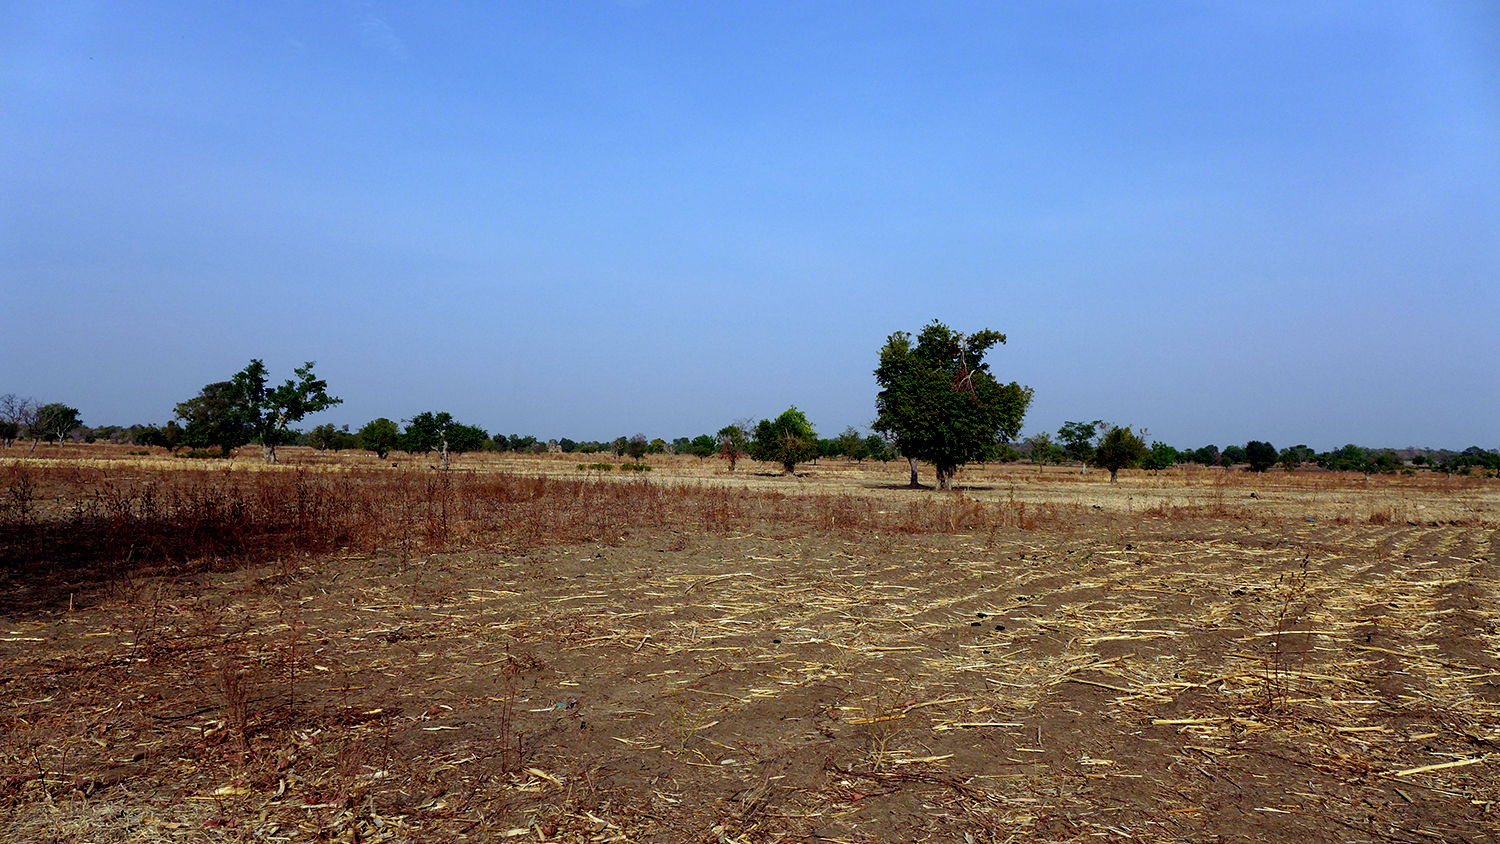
x,y
1180,665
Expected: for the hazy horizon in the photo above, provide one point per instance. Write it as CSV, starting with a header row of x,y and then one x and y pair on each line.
x,y
1270,221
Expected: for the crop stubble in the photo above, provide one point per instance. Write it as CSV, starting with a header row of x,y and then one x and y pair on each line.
x,y
814,659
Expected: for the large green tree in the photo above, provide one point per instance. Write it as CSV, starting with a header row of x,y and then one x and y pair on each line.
x,y
270,411
939,401
788,439
246,409
1117,449
214,417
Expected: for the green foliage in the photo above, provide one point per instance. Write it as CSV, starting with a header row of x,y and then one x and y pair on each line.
x,y
1350,458
1260,455
327,437
54,422
1006,453
877,448
597,467
703,446
656,446
8,432
1117,449
637,446
465,438
1291,458
1077,440
568,446
381,436
788,439
733,443
1385,461
440,432
634,467
1160,456
939,402
1232,455
1041,450
1207,455
268,412
619,446
852,445
423,433
215,418
168,436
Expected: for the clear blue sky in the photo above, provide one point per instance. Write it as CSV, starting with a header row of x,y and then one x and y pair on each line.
x,y
1221,221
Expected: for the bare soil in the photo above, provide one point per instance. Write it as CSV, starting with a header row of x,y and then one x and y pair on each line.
x,y
1165,659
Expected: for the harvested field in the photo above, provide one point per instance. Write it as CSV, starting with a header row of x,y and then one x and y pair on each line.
x,y
347,651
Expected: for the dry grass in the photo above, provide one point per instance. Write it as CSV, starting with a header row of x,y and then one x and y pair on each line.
x,y
353,652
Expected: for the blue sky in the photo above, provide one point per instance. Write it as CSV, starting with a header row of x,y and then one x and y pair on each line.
x,y
1220,221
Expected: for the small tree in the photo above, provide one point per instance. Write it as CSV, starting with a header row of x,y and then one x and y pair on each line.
x,y
1161,456
788,439
703,446
1041,450
877,448
16,416
637,446
381,436
1117,449
53,422
1260,455
734,442
939,401
1077,440
852,445
1233,455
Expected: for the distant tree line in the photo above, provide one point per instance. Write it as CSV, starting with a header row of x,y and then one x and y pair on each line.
x,y
938,403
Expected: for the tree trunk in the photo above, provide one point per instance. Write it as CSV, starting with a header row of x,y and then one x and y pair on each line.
x,y
1114,475
444,453
945,477
913,461
269,451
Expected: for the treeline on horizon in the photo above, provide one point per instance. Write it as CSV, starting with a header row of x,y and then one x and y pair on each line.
x,y
939,403
382,436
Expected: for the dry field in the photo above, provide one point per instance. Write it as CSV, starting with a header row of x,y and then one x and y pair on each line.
x,y
342,649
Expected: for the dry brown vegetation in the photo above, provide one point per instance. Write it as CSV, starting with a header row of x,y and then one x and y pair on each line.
x,y
341,649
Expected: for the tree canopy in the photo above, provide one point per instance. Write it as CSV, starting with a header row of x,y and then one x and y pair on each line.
x,y
939,401
788,439
1117,449
440,432
1260,455
381,436
214,418
1077,440
54,421
733,442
